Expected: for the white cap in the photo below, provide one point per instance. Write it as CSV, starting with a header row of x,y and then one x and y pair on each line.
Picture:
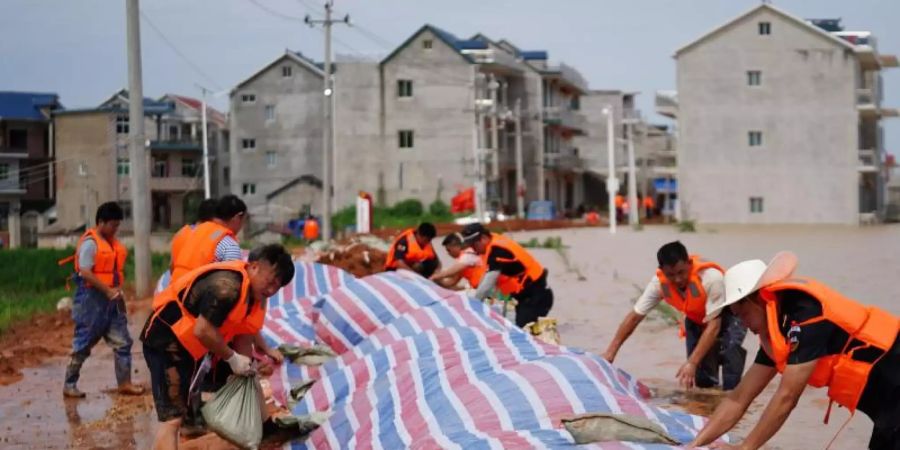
x,y
747,277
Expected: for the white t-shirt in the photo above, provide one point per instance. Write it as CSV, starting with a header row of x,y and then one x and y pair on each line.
x,y
469,258
711,279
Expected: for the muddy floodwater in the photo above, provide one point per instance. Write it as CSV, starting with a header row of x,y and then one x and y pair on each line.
x,y
601,274
594,279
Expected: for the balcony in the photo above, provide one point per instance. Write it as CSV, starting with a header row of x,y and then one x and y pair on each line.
x,y
177,145
174,184
667,103
13,153
495,60
565,118
868,161
568,76
565,160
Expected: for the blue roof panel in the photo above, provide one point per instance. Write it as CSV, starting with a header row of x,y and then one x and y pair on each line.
x,y
26,105
531,55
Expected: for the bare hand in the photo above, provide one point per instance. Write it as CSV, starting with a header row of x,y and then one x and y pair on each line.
x,y
276,355
686,375
115,294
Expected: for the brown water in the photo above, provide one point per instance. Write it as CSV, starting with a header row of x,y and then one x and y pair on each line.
x,y
859,262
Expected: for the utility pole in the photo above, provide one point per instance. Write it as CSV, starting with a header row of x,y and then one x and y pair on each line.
x,y
633,209
140,184
520,176
328,123
206,177
479,164
493,85
612,184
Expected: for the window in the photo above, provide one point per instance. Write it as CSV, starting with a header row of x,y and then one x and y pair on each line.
x,y
126,208
121,124
82,169
287,72
271,159
404,88
270,112
189,167
427,44
765,28
123,167
18,139
173,132
226,175
755,138
248,189
575,103
406,138
248,98
160,168
4,171
248,144
756,205
754,78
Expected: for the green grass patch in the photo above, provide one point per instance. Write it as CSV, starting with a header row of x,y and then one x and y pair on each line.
x,y
405,214
551,242
33,281
687,226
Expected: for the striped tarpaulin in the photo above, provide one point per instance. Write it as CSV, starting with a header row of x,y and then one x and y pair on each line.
x,y
420,366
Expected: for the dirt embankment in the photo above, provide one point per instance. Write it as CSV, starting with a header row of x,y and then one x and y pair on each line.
x,y
29,343
355,257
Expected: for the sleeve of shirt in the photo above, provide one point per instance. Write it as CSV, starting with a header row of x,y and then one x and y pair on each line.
x,y
228,250
86,254
469,259
219,294
714,285
650,298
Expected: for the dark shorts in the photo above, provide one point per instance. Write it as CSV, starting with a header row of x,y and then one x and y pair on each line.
x,y
534,301
170,378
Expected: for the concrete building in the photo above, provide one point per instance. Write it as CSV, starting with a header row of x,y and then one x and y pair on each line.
x,y
779,122
26,181
93,163
409,125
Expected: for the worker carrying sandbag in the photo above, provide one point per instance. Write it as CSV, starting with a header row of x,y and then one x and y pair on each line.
x,y
811,335
202,312
237,411
691,285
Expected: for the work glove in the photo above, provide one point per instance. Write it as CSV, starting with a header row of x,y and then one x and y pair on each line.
x,y
239,364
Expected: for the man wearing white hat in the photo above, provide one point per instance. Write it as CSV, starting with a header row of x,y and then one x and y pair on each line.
x,y
812,335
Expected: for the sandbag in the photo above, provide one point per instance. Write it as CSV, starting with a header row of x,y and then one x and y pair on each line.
x,y
604,427
545,330
298,391
307,356
302,424
236,412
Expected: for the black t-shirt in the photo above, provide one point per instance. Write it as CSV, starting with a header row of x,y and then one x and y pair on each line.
x,y
504,261
815,340
213,296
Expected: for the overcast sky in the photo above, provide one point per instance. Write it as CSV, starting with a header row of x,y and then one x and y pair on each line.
x,y
77,47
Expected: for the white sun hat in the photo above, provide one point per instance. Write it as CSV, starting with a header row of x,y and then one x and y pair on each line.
x,y
747,277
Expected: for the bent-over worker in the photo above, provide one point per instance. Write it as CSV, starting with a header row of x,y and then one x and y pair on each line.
x,y
691,285
811,335
512,270
467,264
412,250
210,241
202,312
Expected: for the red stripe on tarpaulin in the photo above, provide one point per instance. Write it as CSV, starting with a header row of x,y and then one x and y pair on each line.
x,y
410,412
311,282
392,294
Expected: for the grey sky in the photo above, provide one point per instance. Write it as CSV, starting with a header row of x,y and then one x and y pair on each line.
x,y
77,47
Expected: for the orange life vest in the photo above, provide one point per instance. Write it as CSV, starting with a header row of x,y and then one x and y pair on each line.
x,y
193,248
311,229
619,201
473,274
414,253
691,303
845,377
511,285
592,218
109,262
649,203
183,328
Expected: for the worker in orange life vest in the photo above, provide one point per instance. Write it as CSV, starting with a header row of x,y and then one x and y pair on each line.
x,y
811,335
412,250
467,264
210,241
204,312
99,306
691,285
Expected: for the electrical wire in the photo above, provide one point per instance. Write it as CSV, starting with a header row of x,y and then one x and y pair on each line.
x,y
178,52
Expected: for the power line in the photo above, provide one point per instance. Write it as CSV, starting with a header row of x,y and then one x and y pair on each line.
x,y
178,52
275,13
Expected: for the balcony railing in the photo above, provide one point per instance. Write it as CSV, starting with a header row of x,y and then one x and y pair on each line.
x,y
174,184
667,103
565,159
868,160
178,145
565,117
865,96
